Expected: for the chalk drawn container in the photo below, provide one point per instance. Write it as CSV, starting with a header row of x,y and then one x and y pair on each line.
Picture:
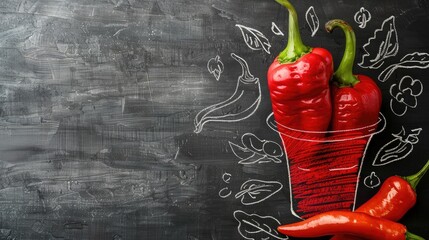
x,y
324,167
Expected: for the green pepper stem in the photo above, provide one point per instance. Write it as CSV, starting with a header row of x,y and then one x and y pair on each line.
x,y
414,179
295,48
344,74
411,236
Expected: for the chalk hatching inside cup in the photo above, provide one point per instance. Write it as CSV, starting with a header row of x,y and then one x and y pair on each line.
x,y
324,167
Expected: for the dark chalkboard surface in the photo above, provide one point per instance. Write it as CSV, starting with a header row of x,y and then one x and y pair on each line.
x,y
111,127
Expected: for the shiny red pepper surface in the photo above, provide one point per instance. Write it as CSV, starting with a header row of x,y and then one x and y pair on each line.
x,y
356,224
395,197
298,80
357,106
356,99
300,93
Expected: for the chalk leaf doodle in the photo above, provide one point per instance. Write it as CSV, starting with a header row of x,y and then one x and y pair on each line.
x,y
276,30
383,44
255,150
411,60
405,95
215,67
242,104
254,39
372,181
256,227
362,17
312,20
398,148
255,191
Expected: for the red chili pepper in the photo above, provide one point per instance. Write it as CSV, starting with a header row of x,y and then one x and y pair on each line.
x,y
358,224
356,99
395,197
298,80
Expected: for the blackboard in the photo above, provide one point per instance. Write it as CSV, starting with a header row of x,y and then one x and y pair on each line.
x,y
100,104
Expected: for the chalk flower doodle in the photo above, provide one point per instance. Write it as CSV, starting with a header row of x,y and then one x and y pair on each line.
x,y
398,148
215,67
362,17
255,191
241,105
256,227
410,61
276,30
255,150
405,95
383,44
254,39
312,20
372,181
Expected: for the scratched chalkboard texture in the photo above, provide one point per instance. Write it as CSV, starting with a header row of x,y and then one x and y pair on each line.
x,y
113,122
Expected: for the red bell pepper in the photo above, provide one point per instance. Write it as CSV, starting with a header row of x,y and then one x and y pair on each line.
x,y
356,99
298,80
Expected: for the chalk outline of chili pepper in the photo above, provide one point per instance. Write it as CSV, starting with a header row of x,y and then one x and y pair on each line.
x,y
216,72
363,21
232,102
400,91
406,142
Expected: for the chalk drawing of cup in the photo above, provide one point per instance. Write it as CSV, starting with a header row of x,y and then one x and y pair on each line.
x,y
324,167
